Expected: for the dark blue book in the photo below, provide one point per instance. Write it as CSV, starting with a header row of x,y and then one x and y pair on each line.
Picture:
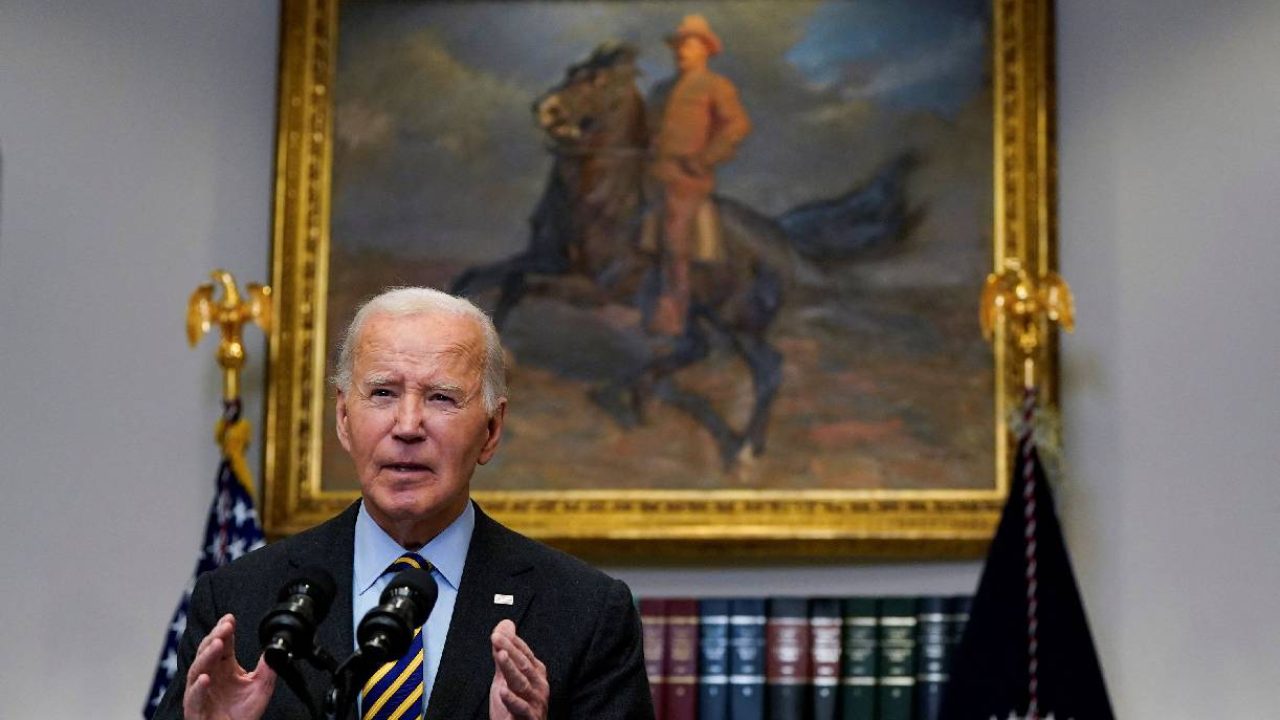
x,y
713,659
957,616
932,629
746,659
824,632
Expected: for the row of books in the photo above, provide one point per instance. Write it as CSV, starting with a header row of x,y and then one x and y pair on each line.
x,y
795,658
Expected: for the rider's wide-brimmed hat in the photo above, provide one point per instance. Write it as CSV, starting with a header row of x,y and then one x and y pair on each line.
x,y
696,26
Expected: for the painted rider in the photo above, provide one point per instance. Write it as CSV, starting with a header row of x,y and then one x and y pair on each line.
x,y
698,122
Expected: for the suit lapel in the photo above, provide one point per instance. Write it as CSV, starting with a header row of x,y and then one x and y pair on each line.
x,y
493,568
332,547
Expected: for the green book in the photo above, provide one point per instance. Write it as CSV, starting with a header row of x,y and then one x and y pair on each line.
x,y
897,638
859,658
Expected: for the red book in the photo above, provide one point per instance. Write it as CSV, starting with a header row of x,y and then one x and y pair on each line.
x,y
789,658
681,688
825,624
653,616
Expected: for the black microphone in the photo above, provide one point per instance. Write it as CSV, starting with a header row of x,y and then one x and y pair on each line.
x,y
386,631
384,634
288,630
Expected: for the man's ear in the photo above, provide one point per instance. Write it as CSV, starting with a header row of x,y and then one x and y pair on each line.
x,y
495,433
343,421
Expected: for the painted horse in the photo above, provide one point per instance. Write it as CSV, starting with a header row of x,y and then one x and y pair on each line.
x,y
585,246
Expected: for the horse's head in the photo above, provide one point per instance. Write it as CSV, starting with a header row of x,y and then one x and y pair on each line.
x,y
595,102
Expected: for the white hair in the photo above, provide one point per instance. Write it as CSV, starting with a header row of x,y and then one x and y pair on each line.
x,y
403,301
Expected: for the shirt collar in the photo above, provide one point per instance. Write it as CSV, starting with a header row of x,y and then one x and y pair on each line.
x,y
375,550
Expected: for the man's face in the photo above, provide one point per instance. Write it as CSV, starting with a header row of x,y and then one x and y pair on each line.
x,y
414,421
691,53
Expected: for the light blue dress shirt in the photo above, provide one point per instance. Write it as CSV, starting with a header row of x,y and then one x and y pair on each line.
x,y
375,551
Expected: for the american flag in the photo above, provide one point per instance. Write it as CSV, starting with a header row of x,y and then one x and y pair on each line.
x,y
231,531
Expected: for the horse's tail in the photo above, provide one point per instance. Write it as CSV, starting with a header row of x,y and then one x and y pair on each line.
x,y
874,216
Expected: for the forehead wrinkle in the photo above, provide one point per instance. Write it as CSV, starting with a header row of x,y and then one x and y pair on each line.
x,y
465,351
388,351
378,346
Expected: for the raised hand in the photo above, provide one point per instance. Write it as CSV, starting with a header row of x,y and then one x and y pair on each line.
x,y
217,687
519,690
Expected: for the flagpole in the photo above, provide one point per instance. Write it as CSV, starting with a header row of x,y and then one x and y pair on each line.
x,y
232,527
1026,652
1026,307
231,314
1026,446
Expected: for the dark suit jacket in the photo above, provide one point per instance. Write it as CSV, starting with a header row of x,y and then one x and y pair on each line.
x,y
580,623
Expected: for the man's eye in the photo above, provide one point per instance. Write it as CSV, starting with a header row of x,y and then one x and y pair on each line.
x,y
441,397
380,392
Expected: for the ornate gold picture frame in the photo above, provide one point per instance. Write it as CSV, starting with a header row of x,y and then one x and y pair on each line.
x,y
667,524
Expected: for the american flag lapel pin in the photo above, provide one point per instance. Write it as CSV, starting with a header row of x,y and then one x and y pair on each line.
x,y
502,599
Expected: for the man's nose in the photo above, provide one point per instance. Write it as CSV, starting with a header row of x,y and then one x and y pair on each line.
x,y
410,419
548,111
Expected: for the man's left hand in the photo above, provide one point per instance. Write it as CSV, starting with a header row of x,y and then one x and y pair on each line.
x,y
695,166
519,690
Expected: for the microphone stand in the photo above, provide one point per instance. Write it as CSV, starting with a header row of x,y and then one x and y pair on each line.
x,y
346,679
284,663
386,639
340,701
293,679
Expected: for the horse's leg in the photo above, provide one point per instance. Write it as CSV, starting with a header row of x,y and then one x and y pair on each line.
x,y
765,363
514,287
728,442
625,396
508,275
546,254
692,347
475,280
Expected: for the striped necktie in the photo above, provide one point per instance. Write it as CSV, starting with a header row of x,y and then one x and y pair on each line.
x,y
395,690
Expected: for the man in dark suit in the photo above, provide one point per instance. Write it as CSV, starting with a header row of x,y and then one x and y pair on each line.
x,y
520,630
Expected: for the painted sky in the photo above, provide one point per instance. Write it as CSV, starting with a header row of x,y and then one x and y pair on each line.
x,y
436,153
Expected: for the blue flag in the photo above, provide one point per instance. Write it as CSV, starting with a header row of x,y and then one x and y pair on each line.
x,y
1026,652
231,531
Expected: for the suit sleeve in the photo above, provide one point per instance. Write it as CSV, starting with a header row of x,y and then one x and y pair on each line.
x,y
201,617
731,123
613,684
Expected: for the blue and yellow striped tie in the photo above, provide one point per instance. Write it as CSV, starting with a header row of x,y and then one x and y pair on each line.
x,y
395,690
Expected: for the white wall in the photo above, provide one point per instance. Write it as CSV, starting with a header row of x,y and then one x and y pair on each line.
x,y
137,139
1170,203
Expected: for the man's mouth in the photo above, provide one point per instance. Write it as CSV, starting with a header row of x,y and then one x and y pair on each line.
x,y
406,467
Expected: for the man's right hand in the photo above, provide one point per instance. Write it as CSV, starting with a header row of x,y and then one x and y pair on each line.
x,y
217,687
695,166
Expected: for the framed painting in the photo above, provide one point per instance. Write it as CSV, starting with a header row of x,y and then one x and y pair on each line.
x,y
821,390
